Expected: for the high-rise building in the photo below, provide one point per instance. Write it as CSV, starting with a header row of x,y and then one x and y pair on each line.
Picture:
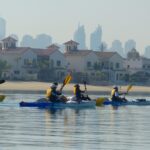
x,y
42,41
117,47
2,28
96,39
27,41
79,36
129,45
147,52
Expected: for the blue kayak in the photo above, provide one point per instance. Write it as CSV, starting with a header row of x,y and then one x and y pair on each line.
x,y
138,102
69,104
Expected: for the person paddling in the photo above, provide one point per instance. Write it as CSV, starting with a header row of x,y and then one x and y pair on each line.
x,y
79,94
52,93
115,95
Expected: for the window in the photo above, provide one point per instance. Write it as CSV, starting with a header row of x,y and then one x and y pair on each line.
x,y
75,48
92,74
102,65
25,61
30,72
58,63
34,62
89,64
16,72
68,48
117,77
111,65
117,65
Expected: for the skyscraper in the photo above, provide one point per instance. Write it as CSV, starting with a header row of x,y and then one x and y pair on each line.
x,y
42,41
2,28
96,39
117,47
79,36
147,52
129,45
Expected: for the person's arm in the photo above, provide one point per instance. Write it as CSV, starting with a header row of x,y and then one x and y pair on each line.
x,y
117,94
58,92
122,93
81,91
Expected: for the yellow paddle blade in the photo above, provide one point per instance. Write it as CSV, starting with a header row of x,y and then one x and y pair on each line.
x,y
2,97
129,88
67,79
100,101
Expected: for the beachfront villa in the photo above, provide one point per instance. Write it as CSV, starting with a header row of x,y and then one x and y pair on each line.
x,y
137,66
81,62
111,63
95,67
29,64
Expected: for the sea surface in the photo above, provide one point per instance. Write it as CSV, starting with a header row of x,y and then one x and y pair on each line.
x,y
102,128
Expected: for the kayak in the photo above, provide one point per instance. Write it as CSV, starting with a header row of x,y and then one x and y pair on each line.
x,y
138,102
68,104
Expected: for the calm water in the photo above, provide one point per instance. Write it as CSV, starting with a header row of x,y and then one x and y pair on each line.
x,y
105,128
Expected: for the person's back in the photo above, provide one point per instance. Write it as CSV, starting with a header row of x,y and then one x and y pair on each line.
x,y
52,94
115,95
78,93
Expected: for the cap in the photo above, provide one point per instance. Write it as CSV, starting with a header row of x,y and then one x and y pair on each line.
x,y
54,85
115,87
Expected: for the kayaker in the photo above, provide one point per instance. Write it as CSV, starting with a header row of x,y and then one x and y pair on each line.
x,y
115,95
52,93
79,94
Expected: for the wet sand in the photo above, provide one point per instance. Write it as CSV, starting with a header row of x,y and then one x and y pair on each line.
x,y
42,86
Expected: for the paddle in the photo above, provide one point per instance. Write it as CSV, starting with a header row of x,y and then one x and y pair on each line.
x,y
99,101
2,81
84,82
129,88
66,81
2,97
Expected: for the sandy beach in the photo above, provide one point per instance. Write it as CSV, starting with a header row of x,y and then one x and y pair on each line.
x,y
42,86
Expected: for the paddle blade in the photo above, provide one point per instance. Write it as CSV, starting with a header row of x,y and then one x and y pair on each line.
x,y
2,81
67,79
100,101
2,97
129,88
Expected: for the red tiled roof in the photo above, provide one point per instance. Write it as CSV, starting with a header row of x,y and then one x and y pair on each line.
x,y
44,52
21,50
78,53
53,46
71,42
105,55
14,51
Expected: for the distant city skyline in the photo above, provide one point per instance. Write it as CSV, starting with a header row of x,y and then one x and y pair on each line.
x,y
80,36
120,19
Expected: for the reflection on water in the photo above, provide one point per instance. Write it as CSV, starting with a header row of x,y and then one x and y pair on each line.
x,y
106,128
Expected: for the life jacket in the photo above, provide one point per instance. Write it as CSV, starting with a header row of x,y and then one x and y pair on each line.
x,y
113,93
75,90
48,92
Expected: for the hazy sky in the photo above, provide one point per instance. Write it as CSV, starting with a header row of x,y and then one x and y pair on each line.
x,y
120,19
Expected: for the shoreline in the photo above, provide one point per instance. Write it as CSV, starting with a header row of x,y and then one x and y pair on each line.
x,y
40,87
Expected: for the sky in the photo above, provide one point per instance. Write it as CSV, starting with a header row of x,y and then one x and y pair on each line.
x,y
120,19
